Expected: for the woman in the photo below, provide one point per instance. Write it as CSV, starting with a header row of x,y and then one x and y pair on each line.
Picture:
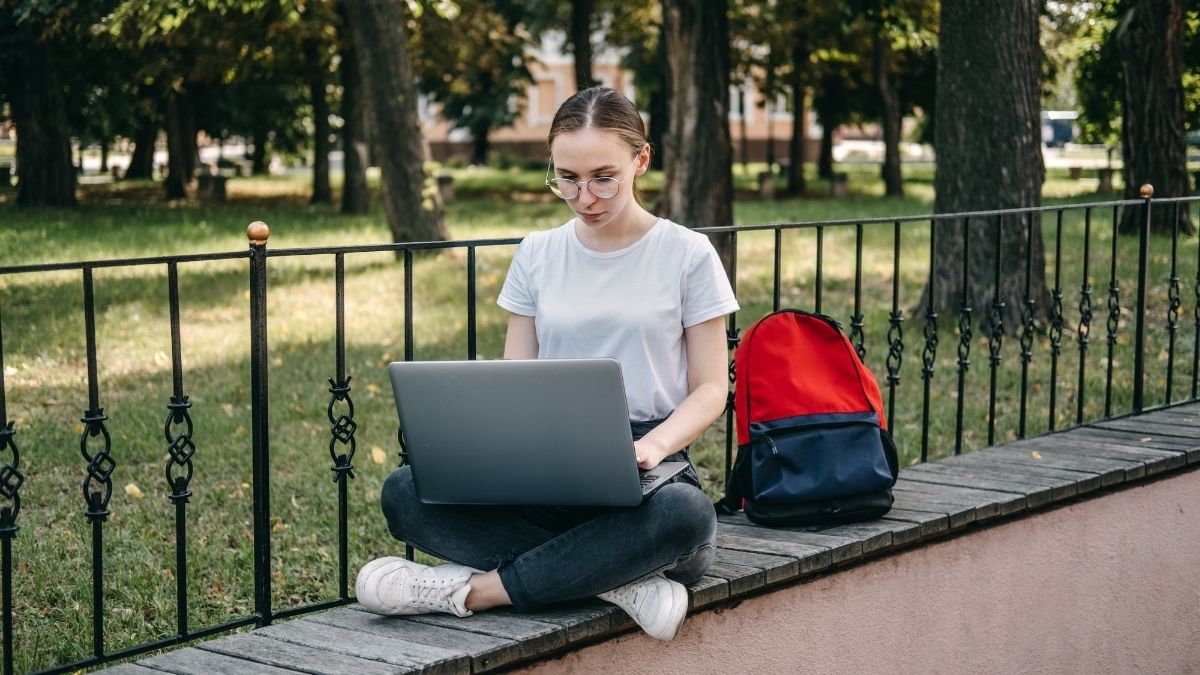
x,y
614,281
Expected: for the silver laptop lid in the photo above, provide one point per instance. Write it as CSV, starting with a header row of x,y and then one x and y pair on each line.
x,y
549,431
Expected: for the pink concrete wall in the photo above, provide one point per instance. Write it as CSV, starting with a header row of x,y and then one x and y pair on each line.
x,y
1107,585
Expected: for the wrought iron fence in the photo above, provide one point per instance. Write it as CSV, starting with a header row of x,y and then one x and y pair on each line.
x,y
96,441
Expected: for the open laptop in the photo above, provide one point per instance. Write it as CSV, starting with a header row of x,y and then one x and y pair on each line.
x,y
531,432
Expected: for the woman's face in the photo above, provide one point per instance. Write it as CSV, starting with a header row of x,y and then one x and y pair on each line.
x,y
587,154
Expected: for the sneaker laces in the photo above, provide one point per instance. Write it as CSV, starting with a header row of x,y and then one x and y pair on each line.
x,y
423,589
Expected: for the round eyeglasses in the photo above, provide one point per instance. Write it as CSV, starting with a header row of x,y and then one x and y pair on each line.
x,y
603,187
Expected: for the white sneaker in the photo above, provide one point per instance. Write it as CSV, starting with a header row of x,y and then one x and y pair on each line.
x,y
655,603
397,586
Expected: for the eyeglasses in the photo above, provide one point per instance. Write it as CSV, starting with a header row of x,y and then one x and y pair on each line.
x,y
603,187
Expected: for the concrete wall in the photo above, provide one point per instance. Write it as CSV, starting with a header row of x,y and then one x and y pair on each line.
x,y
1106,585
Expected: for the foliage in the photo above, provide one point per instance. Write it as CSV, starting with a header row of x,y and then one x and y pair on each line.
x,y
1099,81
475,64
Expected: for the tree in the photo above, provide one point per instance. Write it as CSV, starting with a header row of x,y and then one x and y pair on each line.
x,y
355,197
989,156
1149,38
29,75
414,212
800,74
474,66
582,12
698,184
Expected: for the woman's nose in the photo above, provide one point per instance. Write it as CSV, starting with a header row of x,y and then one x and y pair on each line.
x,y
585,196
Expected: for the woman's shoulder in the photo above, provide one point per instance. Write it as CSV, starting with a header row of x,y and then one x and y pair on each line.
x,y
685,237
539,240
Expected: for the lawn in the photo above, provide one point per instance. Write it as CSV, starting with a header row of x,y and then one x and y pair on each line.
x,y
45,373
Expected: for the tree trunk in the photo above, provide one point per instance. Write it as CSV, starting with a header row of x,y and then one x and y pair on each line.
x,y
46,176
141,162
769,110
1150,41
414,213
322,193
660,111
581,39
187,123
258,159
480,143
989,157
177,178
889,114
743,127
103,155
698,185
825,160
355,197
796,148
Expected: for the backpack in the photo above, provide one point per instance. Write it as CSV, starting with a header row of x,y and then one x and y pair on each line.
x,y
813,445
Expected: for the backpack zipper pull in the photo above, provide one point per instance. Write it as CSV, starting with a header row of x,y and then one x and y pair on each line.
x,y
771,442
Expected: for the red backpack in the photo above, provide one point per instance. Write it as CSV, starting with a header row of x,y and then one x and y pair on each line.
x,y
813,445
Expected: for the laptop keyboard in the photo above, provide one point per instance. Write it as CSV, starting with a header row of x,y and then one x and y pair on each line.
x,y
648,478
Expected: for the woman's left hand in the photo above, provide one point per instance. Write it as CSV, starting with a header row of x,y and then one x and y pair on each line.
x,y
649,453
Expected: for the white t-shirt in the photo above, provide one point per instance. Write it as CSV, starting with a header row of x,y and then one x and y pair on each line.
x,y
631,304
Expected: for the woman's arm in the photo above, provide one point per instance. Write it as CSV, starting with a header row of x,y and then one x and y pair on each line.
x,y
708,389
521,340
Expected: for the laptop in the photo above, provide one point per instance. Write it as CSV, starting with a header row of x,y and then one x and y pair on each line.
x,y
522,432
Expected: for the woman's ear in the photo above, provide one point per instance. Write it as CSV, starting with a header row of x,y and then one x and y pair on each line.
x,y
643,160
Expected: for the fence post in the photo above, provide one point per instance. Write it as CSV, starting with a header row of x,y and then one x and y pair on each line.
x,y
1139,365
257,233
10,482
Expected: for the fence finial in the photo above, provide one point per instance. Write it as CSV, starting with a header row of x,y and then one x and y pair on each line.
x,y
1147,191
258,232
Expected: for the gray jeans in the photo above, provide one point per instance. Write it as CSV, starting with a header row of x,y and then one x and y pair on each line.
x,y
549,554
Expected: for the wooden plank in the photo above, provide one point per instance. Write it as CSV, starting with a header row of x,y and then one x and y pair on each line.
x,y
742,579
957,514
129,669
1189,413
965,466
1154,459
930,524
194,661
876,540
1091,472
987,503
486,651
1141,425
297,657
840,549
1036,495
1185,418
944,495
877,535
707,591
407,655
1091,447
1110,466
1084,473
534,637
1141,440
775,568
582,620
810,558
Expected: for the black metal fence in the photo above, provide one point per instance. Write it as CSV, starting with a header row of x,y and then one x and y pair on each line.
x,y
96,442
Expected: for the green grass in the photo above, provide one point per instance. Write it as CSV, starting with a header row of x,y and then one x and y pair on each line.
x,y
46,386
